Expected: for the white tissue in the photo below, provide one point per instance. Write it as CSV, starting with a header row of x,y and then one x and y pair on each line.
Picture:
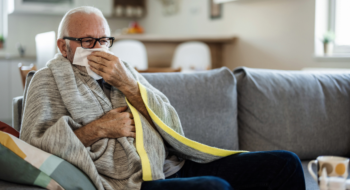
x,y
80,58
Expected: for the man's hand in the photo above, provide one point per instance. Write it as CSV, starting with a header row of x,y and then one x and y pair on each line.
x,y
115,124
110,68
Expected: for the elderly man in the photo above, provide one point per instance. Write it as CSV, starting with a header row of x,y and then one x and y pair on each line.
x,y
94,123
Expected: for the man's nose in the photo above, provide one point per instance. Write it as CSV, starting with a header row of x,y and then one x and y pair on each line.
x,y
97,45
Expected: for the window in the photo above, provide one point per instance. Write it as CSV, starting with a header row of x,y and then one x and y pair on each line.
x,y
5,5
339,16
2,23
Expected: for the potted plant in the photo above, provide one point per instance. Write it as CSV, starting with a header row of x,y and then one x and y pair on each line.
x,y
327,40
2,41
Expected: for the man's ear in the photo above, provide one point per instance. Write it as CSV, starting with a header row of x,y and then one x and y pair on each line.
x,y
61,44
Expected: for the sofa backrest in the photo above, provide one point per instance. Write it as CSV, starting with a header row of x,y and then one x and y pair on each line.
x,y
205,101
304,112
206,104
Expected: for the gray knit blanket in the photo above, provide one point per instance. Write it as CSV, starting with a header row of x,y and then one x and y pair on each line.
x,y
62,98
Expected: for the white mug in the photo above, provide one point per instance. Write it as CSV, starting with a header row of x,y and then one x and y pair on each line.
x,y
335,166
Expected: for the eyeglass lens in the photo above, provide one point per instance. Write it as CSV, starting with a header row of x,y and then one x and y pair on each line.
x,y
90,42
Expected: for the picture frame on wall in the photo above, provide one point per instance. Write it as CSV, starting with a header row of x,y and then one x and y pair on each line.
x,y
215,10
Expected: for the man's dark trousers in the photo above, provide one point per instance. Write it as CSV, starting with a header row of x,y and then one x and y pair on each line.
x,y
275,170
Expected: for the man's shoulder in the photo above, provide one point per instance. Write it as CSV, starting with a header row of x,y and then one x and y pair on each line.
x,y
44,73
42,76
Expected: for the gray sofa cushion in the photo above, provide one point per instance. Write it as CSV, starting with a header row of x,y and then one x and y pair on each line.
x,y
307,113
206,103
17,112
310,183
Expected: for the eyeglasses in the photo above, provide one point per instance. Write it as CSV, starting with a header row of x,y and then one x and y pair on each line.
x,y
89,42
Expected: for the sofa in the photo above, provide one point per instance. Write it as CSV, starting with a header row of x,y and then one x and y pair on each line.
x,y
307,113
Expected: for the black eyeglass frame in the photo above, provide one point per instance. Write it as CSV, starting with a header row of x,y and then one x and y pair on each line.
x,y
96,39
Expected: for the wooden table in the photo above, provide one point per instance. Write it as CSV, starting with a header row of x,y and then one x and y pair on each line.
x,y
160,49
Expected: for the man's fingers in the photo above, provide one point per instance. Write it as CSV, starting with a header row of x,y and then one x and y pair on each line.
x,y
132,134
97,59
130,115
121,109
98,72
97,66
103,55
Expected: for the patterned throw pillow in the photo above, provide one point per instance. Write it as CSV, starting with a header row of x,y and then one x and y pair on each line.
x,y
8,129
26,164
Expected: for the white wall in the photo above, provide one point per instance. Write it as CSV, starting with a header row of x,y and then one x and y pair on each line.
x,y
276,34
22,28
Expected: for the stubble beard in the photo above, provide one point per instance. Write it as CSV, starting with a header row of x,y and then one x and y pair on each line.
x,y
70,55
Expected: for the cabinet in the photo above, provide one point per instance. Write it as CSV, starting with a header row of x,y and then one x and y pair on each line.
x,y
10,85
129,8
106,6
109,8
223,1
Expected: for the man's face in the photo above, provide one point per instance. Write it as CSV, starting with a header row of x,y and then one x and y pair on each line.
x,y
84,25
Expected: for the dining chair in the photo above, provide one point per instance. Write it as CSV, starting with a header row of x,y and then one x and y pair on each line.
x,y
24,70
192,55
131,51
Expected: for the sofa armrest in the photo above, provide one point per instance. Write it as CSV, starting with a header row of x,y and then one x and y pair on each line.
x,y
17,112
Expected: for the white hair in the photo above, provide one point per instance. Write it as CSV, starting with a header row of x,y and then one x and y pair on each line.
x,y
63,27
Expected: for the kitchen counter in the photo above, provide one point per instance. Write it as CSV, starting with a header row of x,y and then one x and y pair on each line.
x,y
168,38
10,56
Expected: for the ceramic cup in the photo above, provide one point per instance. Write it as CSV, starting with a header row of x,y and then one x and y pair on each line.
x,y
335,166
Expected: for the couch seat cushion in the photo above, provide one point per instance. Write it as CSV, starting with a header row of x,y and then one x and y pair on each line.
x,y
311,184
